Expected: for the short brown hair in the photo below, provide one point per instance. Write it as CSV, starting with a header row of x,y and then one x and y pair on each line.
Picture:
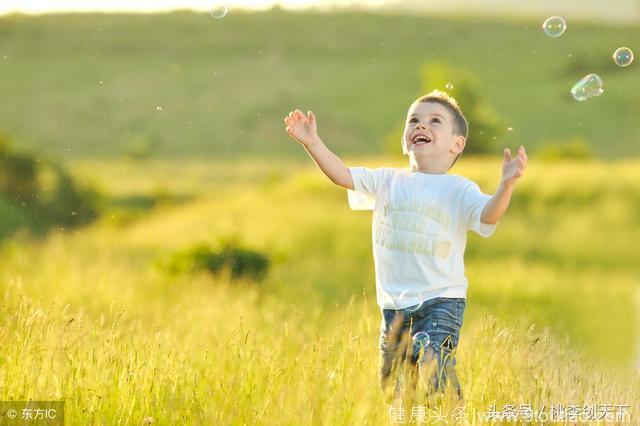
x,y
460,123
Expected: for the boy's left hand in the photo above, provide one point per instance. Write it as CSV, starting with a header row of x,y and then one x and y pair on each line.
x,y
512,169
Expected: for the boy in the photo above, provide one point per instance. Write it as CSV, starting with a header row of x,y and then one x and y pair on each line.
x,y
420,221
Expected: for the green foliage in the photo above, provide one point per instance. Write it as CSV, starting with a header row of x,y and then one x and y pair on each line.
x,y
44,191
66,202
225,86
572,149
485,124
233,259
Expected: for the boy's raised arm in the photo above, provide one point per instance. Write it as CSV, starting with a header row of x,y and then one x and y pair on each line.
x,y
512,170
303,129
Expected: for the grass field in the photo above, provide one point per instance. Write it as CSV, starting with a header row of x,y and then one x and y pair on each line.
x,y
87,317
177,119
186,85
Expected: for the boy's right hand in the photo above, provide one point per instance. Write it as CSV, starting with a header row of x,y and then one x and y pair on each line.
x,y
302,128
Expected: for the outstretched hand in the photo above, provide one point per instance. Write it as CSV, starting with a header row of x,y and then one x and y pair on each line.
x,y
513,168
302,128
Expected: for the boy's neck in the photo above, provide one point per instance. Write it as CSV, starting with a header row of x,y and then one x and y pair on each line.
x,y
422,165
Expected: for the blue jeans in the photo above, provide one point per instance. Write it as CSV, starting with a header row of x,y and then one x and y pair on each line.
x,y
441,319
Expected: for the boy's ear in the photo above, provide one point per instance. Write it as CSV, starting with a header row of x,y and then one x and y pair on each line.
x,y
458,144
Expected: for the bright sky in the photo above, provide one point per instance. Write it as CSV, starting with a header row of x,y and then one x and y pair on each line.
x,y
596,10
40,6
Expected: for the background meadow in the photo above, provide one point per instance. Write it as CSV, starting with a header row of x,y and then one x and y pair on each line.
x,y
169,131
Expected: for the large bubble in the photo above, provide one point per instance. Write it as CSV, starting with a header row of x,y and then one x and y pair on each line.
x,y
623,56
421,340
554,26
219,10
589,87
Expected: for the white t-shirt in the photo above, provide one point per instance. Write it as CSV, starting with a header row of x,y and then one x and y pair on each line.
x,y
419,232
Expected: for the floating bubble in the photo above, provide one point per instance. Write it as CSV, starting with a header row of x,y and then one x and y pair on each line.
x,y
421,340
623,56
509,129
409,296
554,26
219,10
589,87
158,108
448,86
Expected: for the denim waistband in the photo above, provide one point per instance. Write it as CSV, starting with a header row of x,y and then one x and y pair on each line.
x,y
425,304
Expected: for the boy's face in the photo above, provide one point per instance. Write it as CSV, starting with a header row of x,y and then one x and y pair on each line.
x,y
428,132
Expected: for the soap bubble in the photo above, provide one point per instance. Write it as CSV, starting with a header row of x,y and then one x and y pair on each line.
x,y
409,296
158,108
588,87
219,10
554,26
448,86
623,56
421,340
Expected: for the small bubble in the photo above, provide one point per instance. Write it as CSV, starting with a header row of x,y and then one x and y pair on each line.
x,y
554,26
421,340
158,108
219,11
589,87
623,56
509,129
74,213
448,86
100,82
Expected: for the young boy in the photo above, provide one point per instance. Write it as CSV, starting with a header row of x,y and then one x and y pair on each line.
x,y
420,221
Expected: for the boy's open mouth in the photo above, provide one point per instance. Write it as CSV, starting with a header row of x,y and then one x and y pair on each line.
x,y
421,139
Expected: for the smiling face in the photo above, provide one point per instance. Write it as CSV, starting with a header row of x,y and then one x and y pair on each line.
x,y
429,132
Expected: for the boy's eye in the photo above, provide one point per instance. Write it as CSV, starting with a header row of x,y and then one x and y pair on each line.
x,y
412,120
436,120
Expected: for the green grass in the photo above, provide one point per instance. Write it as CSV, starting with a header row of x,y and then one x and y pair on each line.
x,y
87,317
87,86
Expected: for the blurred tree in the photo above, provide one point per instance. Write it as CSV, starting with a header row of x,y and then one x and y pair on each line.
x,y
18,174
45,190
485,124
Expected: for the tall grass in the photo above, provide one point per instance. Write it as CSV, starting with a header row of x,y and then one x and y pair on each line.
x,y
87,317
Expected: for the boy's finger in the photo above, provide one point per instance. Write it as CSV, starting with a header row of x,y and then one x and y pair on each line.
x,y
312,118
507,154
300,114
